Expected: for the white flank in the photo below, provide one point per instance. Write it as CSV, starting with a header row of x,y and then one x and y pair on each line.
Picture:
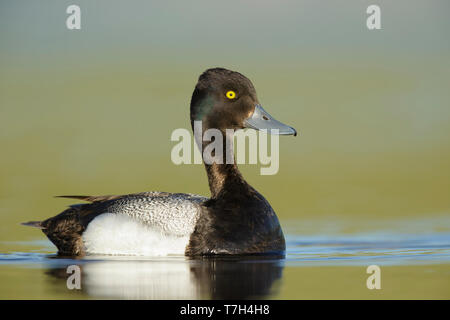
x,y
119,234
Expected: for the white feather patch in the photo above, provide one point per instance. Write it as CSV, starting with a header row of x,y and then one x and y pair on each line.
x,y
119,234
140,279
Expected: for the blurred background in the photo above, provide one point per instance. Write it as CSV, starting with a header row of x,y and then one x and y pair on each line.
x,y
91,111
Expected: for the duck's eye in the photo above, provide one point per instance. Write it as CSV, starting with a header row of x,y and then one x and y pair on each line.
x,y
231,94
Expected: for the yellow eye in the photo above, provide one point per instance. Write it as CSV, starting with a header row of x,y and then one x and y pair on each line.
x,y
231,94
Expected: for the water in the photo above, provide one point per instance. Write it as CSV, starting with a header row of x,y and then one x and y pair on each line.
x,y
324,259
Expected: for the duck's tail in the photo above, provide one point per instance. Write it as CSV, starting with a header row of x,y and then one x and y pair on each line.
x,y
36,224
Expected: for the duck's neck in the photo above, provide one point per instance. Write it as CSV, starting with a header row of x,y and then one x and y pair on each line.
x,y
224,177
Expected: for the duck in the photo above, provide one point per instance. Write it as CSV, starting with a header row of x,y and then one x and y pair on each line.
x,y
235,220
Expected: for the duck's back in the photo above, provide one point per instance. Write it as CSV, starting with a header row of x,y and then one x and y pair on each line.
x,y
149,223
168,213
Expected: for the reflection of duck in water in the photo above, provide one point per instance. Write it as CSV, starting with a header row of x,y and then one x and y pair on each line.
x,y
235,220
231,278
235,278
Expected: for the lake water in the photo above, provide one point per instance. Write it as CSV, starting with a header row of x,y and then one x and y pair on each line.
x,y
325,259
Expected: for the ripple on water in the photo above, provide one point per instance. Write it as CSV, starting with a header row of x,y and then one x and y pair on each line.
x,y
364,249
396,242
301,250
178,277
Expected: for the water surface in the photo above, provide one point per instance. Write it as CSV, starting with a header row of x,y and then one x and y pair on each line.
x,y
325,259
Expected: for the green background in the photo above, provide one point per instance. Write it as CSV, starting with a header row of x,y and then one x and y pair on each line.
x,y
91,111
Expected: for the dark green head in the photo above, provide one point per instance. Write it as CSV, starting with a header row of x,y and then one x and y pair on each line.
x,y
225,99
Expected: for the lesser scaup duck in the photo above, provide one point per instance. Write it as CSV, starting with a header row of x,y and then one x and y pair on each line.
x,y
235,220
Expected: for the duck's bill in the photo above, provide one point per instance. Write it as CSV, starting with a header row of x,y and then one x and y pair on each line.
x,y
261,120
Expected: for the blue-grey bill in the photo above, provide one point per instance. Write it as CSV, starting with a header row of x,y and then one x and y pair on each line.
x,y
261,120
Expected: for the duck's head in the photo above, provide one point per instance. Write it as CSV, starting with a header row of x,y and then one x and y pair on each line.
x,y
225,99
